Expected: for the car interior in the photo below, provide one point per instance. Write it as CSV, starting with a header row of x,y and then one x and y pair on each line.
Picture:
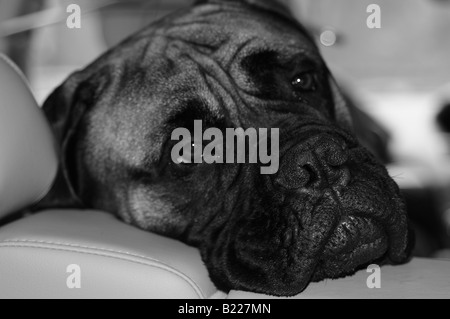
x,y
68,253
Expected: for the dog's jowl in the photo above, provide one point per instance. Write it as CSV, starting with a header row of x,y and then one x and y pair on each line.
x,y
329,209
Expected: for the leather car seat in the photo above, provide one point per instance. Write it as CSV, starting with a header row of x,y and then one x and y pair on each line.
x,y
74,253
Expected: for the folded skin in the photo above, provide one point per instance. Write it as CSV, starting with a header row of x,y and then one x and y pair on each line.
x,y
330,209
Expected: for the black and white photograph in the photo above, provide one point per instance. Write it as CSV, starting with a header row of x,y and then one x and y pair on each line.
x,y
237,152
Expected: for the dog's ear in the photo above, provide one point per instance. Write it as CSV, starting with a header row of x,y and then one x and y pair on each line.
x,y
369,132
341,106
65,109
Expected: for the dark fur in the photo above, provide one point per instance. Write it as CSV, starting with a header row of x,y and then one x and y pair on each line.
x,y
331,207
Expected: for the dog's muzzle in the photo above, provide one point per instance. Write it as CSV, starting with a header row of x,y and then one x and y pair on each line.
x,y
329,210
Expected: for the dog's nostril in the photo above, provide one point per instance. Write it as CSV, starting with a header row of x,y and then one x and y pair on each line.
x,y
341,177
318,163
309,173
292,178
302,175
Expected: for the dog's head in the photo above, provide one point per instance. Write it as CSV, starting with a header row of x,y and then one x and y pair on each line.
x,y
328,209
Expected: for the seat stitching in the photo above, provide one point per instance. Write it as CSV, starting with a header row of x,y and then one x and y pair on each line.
x,y
77,246
187,279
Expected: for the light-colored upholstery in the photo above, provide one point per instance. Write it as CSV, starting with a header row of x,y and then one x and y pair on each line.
x,y
28,157
112,259
115,260
421,278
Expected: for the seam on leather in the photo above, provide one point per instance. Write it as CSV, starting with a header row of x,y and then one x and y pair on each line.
x,y
16,69
22,244
79,246
47,188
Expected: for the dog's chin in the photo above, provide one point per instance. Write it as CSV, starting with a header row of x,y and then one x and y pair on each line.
x,y
268,267
356,242
281,255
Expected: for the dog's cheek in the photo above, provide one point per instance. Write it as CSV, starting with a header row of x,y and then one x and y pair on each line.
x,y
153,210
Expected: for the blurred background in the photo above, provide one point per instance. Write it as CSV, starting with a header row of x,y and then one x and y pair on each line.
x,y
398,74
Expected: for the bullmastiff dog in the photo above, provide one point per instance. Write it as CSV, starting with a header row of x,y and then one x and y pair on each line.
x,y
331,207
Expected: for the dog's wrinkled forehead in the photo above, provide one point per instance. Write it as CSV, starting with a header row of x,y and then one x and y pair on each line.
x,y
194,58
210,60
235,24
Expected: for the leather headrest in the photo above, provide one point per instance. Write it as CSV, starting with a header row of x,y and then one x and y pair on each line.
x,y
28,156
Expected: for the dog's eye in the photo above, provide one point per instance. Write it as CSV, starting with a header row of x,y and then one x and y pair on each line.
x,y
183,160
304,82
188,158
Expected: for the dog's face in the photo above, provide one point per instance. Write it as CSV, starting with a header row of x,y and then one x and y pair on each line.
x,y
329,209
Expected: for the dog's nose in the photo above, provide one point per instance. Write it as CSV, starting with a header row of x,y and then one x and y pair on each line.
x,y
316,164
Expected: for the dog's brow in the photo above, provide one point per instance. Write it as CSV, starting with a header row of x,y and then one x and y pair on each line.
x,y
302,60
306,63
